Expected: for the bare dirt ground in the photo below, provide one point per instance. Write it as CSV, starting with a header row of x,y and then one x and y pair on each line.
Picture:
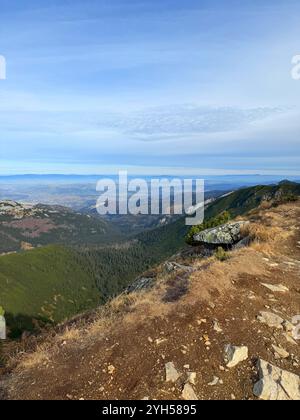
x,y
121,354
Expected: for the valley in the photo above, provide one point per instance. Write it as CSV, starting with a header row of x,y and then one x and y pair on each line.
x,y
64,263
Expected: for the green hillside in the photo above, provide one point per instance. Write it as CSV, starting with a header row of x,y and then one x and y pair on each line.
x,y
238,203
49,284
246,199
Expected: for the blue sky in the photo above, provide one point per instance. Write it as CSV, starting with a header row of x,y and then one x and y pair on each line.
x,y
163,85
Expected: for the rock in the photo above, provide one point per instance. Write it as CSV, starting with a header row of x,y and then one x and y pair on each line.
x,y
290,339
271,320
188,393
288,327
111,369
171,373
160,341
234,355
243,243
280,353
228,234
276,288
214,382
2,328
173,266
217,327
276,384
191,378
142,283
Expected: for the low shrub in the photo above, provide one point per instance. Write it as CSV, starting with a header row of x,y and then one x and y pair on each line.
x,y
221,254
219,220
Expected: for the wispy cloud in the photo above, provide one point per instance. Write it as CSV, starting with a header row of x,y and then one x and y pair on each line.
x,y
151,83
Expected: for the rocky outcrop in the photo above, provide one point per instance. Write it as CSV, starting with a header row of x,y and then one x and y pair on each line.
x,y
276,384
142,283
228,234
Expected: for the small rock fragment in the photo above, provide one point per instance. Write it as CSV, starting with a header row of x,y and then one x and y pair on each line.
x,y
172,374
214,382
271,320
217,327
280,353
276,287
191,377
188,393
234,355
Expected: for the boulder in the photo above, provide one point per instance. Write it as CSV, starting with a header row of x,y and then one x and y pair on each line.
x,y
234,355
228,234
276,384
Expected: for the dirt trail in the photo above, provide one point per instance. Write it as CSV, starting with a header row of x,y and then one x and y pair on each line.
x,y
123,355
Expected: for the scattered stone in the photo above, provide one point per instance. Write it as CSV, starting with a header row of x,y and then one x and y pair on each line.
x,y
290,339
276,384
288,327
271,320
280,353
188,393
214,382
174,266
172,374
217,327
234,355
160,341
276,288
111,369
191,377
141,283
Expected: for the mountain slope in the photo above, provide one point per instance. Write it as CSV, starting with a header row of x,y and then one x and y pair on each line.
x,y
45,285
44,225
237,203
122,353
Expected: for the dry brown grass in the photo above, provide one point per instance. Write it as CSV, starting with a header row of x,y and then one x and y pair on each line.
x,y
261,233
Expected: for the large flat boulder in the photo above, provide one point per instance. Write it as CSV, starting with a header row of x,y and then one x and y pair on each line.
x,y
228,234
